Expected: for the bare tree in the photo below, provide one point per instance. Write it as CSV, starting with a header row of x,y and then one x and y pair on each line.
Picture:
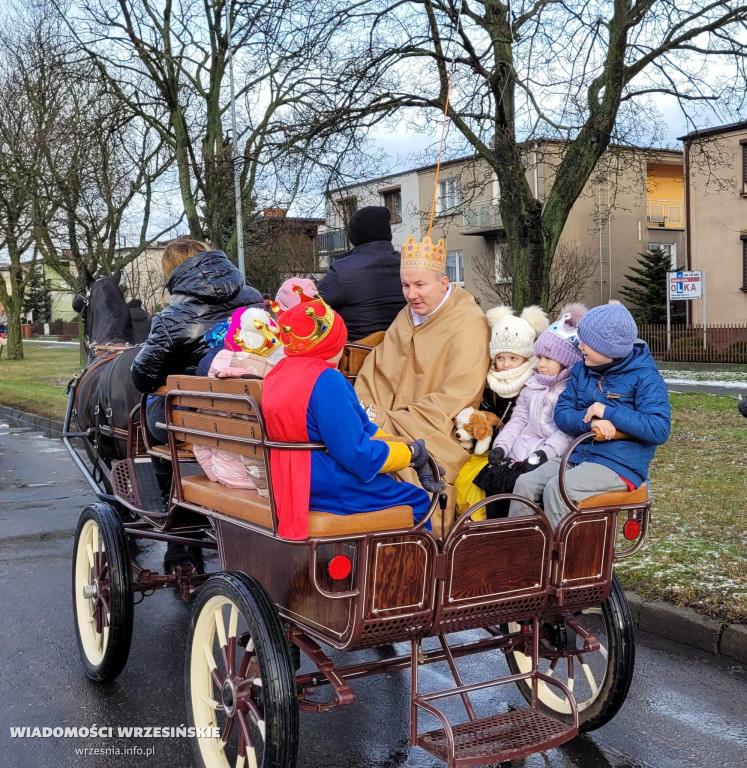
x,y
572,269
168,63
585,73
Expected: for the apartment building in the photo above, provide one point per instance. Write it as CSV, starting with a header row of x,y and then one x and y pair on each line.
x,y
716,215
634,200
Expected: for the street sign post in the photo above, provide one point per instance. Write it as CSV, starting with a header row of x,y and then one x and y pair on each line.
x,y
685,285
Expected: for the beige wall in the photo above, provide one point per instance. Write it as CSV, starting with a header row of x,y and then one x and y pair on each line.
x,y
718,216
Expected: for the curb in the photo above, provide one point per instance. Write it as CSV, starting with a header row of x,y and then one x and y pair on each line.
x,y
670,622
688,627
51,427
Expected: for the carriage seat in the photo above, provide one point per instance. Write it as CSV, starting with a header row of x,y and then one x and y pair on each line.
x,y
250,506
616,498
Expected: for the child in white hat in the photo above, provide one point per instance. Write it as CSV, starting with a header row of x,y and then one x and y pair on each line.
x,y
512,364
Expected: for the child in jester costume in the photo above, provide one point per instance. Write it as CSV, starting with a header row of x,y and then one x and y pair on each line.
x,y
305,399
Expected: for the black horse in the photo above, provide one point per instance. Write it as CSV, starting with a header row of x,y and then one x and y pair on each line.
x,y
104,394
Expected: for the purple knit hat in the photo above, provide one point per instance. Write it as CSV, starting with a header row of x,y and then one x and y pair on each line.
x,y
560,341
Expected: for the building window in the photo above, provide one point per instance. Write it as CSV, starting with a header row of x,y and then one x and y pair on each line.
x,y
744,262
346,207
744,166
449,194
455,267
671,249
393,201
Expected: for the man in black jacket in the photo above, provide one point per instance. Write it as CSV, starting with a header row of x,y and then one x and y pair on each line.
x,y
364,286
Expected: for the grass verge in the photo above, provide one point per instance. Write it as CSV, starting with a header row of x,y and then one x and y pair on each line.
x,y
696,553
37,383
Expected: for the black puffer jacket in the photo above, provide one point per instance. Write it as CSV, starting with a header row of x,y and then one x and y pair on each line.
x,y
365,288
204,289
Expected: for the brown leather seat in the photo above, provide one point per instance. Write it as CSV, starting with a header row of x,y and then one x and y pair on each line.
x,y
245,505
327,524
616,498
250,506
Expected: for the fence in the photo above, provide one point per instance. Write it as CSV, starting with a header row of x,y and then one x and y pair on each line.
x,y
56,328
723,343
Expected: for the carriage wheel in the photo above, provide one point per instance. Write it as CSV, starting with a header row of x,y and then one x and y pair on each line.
x,y
600,680
239,677
102,592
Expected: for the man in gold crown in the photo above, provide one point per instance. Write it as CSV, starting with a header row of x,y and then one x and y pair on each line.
x,y
431,364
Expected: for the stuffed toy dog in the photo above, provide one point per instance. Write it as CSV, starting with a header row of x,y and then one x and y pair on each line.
x,y
472,424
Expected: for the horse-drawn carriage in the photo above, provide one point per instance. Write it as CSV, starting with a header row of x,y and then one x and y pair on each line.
x,y
546,600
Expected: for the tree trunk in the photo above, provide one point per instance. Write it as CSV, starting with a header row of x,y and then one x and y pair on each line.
x,y
14,347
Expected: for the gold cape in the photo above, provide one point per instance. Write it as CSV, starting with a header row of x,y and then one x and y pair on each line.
x,y
419,378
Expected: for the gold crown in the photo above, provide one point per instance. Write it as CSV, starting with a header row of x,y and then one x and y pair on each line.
x,y
424,255
269,338
321,323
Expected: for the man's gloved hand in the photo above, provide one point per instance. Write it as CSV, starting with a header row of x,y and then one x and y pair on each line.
x,y
420,464
496,456
537,459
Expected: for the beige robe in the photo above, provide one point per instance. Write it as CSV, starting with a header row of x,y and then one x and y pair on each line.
x,y
419,378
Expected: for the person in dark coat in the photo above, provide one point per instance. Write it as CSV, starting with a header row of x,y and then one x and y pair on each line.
x,y
205,288
364,286
140,319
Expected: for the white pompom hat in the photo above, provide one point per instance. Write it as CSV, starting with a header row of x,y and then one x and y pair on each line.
x,y
510,333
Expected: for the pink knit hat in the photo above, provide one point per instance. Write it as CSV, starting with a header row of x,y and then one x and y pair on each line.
x,y
560,341
286,296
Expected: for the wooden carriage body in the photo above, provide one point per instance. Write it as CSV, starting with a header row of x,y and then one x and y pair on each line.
x,y
400,583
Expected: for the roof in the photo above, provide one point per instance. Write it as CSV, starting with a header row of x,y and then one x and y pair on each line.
x,y
700,133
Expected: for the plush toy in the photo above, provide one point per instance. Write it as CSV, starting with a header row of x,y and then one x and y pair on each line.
x,y
472,424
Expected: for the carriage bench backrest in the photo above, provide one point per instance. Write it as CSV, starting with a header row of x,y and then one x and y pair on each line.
x,y
227,414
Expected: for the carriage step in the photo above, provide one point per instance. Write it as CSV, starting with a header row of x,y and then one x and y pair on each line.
x,y
499,738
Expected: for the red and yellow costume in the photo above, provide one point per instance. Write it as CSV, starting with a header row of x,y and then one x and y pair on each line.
x,y
305,399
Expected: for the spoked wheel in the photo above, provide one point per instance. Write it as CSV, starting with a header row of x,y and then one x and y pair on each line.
x,y
102,592
599,680
239,677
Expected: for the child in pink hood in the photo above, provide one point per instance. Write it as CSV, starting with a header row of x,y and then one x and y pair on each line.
x,y
251,349
531,437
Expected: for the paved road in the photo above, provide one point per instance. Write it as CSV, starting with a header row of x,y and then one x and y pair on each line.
x,y
684,710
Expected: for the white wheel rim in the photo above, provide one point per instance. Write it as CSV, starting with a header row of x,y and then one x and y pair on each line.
x,y
216,625
589,672
93,643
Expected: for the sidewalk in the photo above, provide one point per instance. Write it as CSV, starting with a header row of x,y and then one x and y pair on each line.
x,y
681,625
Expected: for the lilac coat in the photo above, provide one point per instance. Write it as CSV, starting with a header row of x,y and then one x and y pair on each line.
x,y
531,427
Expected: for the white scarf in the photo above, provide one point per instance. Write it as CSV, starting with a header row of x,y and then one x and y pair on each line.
x,y
509,383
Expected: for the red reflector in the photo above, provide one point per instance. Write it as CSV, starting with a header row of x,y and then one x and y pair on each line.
x,y
632,530
339,567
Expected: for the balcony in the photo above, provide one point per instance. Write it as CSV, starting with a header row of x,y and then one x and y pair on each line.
x,y
332,243
482,218
665,214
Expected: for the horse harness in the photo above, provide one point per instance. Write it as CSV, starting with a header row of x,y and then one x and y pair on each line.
x,y
102,354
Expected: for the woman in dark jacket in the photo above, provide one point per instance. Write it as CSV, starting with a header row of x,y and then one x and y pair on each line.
x,y
205,288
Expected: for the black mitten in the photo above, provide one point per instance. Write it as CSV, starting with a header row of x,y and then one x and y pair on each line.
x,y
496,456
537,459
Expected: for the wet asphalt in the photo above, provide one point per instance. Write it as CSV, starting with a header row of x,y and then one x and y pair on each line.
x,y
685,709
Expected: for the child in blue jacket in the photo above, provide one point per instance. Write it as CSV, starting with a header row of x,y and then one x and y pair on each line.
x,y
616,387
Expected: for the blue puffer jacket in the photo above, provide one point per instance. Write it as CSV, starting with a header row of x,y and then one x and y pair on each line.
x,y
636,402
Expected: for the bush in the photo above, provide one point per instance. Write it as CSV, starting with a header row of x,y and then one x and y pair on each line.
x,y
690,349
735,352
